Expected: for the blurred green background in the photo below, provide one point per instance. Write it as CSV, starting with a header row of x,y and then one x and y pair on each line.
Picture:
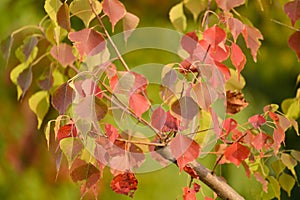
x,y
27,168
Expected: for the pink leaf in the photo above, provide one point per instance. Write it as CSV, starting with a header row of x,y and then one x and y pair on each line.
x,y
115,11
252,37
294,42
214,35
236,27
158,118
257,120
189,42
63,54
87,41
171,124
260,140
184,149
90,88
238,58
229,4
62,98
111,132
262,180
130,22
292,9
236,153
139,104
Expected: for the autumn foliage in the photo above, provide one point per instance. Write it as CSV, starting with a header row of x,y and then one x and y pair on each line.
x,y
106,117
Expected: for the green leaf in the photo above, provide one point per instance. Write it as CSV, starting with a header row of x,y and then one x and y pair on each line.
x,y
195,7
82,9
234,83
291,107
71,147
39,104
27,51
289,162
178,18
51,7
296,155
287,182
278,167
275,186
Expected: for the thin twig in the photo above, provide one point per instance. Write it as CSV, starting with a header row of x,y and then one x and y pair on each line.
x,y
282,24
141,142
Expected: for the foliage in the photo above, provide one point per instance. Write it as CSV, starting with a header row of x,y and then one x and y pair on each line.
x,y
106,116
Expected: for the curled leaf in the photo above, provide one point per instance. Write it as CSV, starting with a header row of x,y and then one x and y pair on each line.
x,y
125,183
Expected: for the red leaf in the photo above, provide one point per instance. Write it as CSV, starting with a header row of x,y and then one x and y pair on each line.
x,y
87,41
236,153
115,11
191,172
68,130
294,42
260,140
189,42
125,183
62,98
139,104
158,118
140,83
63,54
229,124
189,194
111,132
252,37
63,17
292,9
238,58
236,27
257,120
224,69
229,4
214,35
184,149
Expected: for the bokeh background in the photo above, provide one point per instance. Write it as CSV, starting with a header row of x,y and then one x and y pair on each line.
x,y
27,168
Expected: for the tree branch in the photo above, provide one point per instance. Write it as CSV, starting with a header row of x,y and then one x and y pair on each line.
x,y
222,189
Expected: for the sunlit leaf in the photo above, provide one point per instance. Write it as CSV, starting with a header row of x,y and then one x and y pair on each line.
x,y
236,153
51,7
82,9
87,41
63,54
115,11
234,83
178,18
184,149
238,58
278,167
195,7
214,35
139,104
252,38
257,120
71,147
275,186
130,22
39,104
236,27
158,118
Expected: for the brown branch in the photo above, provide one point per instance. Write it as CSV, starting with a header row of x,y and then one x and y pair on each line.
x,y
222,189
